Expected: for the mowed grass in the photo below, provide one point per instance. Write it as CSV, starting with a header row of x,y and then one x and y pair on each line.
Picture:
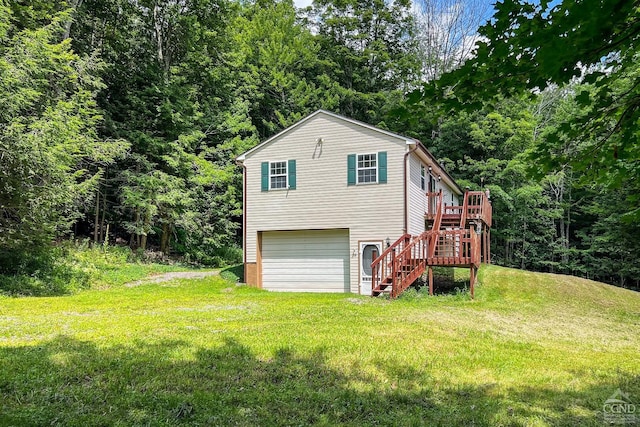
x,y
531,349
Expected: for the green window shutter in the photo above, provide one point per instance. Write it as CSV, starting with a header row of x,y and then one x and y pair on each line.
x,y
291,169
382,167
351,169
265,176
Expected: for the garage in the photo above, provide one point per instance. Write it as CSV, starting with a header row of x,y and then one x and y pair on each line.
x,y
305,261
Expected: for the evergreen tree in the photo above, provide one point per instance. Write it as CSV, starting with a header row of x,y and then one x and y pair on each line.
x,y
51,157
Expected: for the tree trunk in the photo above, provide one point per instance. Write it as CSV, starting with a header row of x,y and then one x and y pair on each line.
x,y
162,56
164,240
135,236
75,4
568,222
103,233
147,222
96,222
106,237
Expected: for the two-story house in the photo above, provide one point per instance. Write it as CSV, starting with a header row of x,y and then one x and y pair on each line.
x,y
327,196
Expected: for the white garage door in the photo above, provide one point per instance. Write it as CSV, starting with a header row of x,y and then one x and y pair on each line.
x,y
305,261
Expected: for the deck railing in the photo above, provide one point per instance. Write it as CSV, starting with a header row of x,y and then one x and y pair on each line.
x,y
453,247
452,210
478,206
437,221
407,258
431,248
475,206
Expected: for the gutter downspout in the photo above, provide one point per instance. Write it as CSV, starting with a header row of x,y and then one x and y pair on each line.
x,y
406,197
244,219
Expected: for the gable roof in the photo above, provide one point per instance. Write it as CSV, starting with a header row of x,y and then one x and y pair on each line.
x,y
407,140
445,174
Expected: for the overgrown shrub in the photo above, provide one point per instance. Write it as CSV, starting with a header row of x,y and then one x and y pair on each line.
x,y
40,271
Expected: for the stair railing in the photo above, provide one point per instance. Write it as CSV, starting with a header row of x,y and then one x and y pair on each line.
x,y
465,208
382,267
411,263
437,221
406,260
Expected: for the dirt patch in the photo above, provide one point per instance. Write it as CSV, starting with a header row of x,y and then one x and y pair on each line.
x,y
165,277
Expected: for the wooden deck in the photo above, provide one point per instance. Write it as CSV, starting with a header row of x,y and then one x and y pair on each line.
x,y
459,237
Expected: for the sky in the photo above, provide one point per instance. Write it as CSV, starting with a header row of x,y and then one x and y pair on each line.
x,y
303,3
490,3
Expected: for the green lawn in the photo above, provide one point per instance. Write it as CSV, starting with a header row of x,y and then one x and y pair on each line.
x,y
532,349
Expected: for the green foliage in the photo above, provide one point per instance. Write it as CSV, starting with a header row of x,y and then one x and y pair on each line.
x,y
526,48
70,267
42,272
276,60
50,154
610,241
546,114
367,48
167,88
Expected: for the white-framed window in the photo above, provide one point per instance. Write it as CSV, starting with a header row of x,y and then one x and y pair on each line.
x,y
277,175
367,168
423,177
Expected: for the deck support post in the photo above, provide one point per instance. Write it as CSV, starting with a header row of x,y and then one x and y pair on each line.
x,y
488,246
472,280
430,280
483,246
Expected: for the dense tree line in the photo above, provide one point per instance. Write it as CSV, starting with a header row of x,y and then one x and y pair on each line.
x,y
122,119
572,192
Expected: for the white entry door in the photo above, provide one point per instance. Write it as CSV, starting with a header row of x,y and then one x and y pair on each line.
x,y
368,252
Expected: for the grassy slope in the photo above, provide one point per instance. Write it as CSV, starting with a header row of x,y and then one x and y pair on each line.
x,y
532,349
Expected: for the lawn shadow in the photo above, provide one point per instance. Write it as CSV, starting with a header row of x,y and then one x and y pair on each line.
x,y
70,382
446,281
234,273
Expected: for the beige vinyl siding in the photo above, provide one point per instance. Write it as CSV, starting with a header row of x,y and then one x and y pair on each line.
x,y
446,194
417,197
322,199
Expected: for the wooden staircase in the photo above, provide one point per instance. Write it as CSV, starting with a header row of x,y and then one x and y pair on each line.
x,y
455,239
